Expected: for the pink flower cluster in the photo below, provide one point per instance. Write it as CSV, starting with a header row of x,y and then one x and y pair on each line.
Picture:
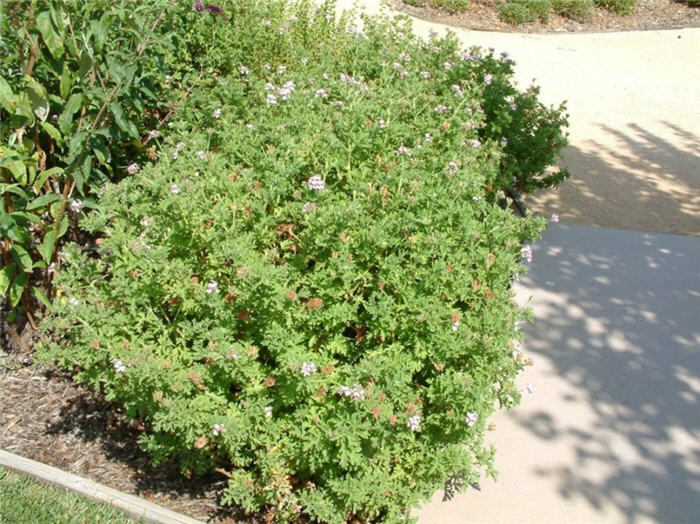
x,y
357,392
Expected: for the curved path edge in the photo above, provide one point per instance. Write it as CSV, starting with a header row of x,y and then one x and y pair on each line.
x,y
132,505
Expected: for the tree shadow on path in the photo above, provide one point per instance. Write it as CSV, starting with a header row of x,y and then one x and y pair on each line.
x,y
617,314
630,178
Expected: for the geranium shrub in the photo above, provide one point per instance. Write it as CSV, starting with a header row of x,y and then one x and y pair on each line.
x,y
311,289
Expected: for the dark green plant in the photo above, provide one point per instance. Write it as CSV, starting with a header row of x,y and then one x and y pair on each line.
x,y
82,97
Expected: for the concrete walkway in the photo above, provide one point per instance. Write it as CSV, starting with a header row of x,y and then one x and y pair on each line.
x,y
634,105
612,431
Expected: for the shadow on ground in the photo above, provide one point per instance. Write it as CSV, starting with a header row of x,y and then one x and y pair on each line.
x,y
618,315
48,418
630,178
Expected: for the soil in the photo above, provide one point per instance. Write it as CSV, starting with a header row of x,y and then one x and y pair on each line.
x,y
482,15
47,417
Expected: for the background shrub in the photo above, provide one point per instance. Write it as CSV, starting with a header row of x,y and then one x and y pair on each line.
x,y
454,6
620,7
516,13
523,11
580,10
310,288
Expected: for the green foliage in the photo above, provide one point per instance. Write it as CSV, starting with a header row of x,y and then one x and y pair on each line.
x,y
620,7
453,6
311,287
579,10
516,13
82,96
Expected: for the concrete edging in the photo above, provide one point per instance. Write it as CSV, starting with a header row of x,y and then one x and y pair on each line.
x,y
135,507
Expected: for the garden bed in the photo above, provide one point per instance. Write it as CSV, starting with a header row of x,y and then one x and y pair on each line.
x,y
48,418
482,15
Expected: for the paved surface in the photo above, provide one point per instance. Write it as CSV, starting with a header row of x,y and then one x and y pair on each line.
x,y
612,432
634,105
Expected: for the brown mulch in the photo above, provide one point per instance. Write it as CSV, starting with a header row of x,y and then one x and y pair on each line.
x,y
482,15
46,417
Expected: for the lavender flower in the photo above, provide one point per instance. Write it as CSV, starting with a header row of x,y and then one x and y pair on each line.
x,y
425,75
174,189
244,70
475,143
286,90
268,411
554,218
132,168
471,418
119,366
526,253
308,369
455,326
201,155
321,93
218,429
315,183
413,423
447,66
381,123
452,168
281,69
357,392
457,90
212,287
76,206
271,99
175,155
270,87
266,23
403,150
441,108
404,56
308,207
216,113
179,145
428,137
74,302
488,79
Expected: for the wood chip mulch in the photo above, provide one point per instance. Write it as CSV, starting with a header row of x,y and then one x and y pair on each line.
x,y
482,15
46,417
